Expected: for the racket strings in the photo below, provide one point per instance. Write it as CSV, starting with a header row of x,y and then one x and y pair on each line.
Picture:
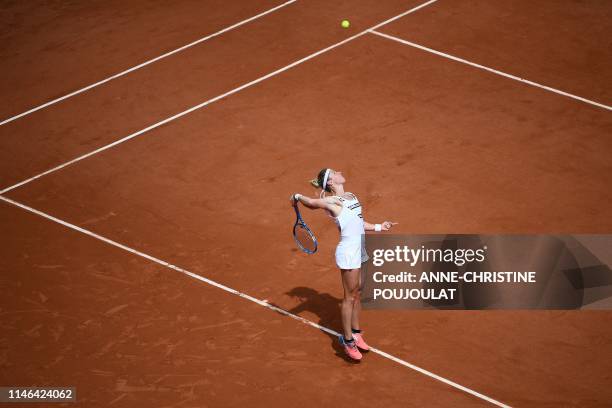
x,y
305,239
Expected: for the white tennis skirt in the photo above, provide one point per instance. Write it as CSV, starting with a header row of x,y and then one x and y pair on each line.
x,y
350,254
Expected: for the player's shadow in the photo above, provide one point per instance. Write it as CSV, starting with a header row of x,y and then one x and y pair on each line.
x,y
327,308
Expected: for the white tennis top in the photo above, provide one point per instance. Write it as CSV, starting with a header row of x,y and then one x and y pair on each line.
x,y
350,220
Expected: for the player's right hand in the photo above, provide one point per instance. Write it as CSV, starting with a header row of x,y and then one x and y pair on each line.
x,y
293,199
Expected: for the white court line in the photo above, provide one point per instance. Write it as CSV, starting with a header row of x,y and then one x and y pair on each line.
x,y
216,98
248,297
526,81
144,64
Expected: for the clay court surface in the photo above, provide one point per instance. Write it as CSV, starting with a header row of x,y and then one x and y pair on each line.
x,y
436,144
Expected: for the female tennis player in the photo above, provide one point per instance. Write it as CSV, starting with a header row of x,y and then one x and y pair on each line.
x,y
345,210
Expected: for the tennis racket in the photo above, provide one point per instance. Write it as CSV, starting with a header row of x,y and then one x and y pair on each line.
x,y
304,238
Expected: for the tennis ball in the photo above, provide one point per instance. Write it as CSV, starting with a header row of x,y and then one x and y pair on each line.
x,y
345,24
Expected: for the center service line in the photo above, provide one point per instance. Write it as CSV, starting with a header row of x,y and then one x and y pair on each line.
x,y
494,71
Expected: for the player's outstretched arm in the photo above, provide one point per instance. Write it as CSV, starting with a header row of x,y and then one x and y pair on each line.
x,y
330,204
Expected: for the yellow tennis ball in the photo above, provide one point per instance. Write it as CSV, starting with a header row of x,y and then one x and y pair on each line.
x,y
345,24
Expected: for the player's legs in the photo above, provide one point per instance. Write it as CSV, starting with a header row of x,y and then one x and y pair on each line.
x,y
357,302
356,310
356,329
350,283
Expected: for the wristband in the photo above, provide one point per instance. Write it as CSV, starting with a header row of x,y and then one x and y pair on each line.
x,y
377,227
297,196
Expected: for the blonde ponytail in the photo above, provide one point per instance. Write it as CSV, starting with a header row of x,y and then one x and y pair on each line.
x,y
315,183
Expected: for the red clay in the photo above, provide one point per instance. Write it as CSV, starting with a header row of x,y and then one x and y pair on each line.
x,y
562,44
136,101
128,333
433,144
207,199
52,48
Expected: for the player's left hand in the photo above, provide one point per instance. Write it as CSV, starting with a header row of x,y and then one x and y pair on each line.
x,y
386,226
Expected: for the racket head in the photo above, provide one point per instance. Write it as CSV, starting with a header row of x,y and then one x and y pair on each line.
x,y
303,236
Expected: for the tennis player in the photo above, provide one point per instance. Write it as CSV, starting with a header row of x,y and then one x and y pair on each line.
x,y
345,209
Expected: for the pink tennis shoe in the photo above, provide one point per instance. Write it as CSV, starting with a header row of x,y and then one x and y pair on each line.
x,y
350,348
360,342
